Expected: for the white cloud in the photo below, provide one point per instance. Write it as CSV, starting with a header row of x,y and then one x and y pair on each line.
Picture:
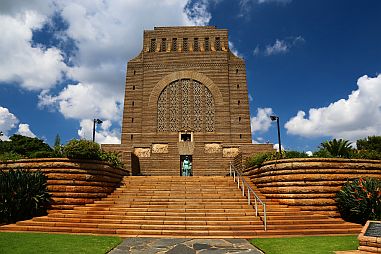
x,y
279,46
246,5
276,147
261,122
250,98
198,12
82,101
8,121
309,153
277,1
356,117
25,131
234,50
103,135
32,67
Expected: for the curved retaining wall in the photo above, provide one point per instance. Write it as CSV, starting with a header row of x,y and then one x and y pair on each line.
x,y
73,182
310,183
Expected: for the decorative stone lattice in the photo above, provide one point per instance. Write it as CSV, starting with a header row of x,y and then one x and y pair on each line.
x,y
230,152
185,105
142,152
213,148
159,148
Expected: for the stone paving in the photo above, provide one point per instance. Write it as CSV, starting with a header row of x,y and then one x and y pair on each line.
x,y
140,245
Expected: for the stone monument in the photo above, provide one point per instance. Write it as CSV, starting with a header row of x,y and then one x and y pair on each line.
x,y
185,96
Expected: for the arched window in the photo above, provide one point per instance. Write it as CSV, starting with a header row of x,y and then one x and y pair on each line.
x,y
185,105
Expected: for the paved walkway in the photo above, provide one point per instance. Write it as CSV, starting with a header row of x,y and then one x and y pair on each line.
x,y
140,245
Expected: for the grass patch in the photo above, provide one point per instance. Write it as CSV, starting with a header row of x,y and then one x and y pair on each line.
x,y
308,244
21,243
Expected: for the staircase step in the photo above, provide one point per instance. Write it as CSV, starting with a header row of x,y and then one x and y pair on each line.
x,y
174,206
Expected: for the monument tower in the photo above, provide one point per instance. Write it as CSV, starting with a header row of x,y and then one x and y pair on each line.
x,y
185,100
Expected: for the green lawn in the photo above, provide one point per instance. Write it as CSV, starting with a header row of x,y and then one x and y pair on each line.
x,y
20,243
310,244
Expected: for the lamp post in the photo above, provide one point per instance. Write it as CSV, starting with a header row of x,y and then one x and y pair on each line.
x,y
276,118
96,121
1,134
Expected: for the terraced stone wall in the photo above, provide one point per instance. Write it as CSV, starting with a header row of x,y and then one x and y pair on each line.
x,y
310,183
73,182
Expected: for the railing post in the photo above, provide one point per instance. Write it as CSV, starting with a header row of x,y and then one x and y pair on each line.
x,y
256,206
243,188
238,181
248,196
230,169
234,176
265,216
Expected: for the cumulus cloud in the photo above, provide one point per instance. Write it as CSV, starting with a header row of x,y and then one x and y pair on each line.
x,y
276,147
32,67
8,121
356,117
25,131
82,101
261,122
103,134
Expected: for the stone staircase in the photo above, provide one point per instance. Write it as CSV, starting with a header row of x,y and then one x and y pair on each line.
x,y
175,206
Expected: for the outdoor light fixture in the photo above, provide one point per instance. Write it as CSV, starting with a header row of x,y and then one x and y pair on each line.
x,y
276,118
96,121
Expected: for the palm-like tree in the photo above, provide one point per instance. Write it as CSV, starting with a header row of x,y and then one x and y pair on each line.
x,y
337,148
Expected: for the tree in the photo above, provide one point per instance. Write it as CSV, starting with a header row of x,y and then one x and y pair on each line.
x,y
57,141
337,148
372,143
25,146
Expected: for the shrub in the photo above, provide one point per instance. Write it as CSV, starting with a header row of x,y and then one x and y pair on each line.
x,y
258,159
82,149
23,195
10,156
360,200
372,143
294,154
365,154
113,158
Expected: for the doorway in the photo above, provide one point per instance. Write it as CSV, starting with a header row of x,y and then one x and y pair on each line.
x,y
186,165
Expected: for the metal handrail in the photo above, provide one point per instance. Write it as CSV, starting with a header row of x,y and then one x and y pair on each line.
x,y
241,185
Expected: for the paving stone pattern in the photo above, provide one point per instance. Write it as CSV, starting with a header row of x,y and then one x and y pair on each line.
x,y
140,245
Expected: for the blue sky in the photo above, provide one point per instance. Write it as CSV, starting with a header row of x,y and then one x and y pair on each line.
x,y
313,63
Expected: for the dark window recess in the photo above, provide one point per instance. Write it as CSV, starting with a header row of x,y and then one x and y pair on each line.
x,y
134,72
133,87
152,47
174,44
163,46
195,46
239,102
237,86
236,71
186,137
207,45
133,103
239,119
132,120
240,136
218,44
132,137
185,44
